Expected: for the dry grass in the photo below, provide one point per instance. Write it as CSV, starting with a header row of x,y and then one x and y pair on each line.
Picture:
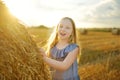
x,y
19,54
102,41
107,68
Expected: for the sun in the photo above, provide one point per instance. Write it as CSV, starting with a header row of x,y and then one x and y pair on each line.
x,y
22,9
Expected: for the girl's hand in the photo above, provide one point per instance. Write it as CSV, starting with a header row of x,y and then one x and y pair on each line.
x,y
42,52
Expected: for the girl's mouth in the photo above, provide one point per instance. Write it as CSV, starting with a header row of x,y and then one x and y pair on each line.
x,y
63,34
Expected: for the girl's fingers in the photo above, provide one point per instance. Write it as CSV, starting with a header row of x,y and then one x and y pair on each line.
x,y
42,51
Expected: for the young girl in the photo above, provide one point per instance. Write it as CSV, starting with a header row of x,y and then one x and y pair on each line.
x,y
63,51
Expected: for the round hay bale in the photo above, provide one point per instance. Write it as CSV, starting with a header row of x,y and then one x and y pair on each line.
x,y
83,31
115,31
19,58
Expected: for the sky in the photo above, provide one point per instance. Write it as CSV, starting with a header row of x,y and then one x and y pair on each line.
x,y
85,13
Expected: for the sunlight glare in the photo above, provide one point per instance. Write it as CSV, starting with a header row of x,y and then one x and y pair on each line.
x,y
22,9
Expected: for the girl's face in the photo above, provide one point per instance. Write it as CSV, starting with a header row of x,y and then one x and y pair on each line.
x,y
65,29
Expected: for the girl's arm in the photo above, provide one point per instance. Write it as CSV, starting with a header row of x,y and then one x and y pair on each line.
x,y
63,65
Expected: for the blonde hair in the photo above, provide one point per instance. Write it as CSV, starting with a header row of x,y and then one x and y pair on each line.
x,y
54,36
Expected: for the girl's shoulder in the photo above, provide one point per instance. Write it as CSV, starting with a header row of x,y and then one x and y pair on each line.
x,y
71,47
73,44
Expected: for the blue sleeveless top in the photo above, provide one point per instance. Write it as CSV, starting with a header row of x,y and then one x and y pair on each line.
x,y
60,54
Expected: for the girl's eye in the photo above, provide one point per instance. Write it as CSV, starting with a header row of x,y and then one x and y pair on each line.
x,y
61,26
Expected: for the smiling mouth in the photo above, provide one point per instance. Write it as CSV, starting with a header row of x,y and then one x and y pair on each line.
x,y
63,34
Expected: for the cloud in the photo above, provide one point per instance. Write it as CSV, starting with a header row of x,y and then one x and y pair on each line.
x,y
54,5
105,12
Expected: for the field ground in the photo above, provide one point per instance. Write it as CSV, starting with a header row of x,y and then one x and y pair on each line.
x,y
100,53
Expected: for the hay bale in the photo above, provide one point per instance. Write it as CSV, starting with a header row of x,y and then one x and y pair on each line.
x,y
83,31
19,58
115,31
